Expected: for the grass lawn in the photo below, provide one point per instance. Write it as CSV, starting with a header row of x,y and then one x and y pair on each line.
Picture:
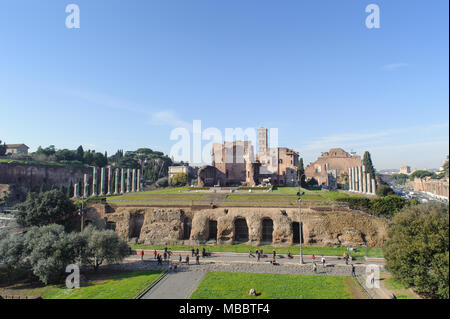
x,y
123,285
242,248
220,285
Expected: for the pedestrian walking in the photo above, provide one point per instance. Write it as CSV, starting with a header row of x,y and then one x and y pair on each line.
x,y
179,258
353,270
258,255
187,259
165,256
142,254
203,252
197,259
154,254
193,252
313,257
196,252
323,261
274,254
314,267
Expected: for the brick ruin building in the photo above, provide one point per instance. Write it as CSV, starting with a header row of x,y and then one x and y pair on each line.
x,y
235,164
328,168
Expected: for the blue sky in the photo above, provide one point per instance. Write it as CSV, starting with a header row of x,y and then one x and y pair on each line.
x,y
137,69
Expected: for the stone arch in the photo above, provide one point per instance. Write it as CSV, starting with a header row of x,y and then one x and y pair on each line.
x,y
267,230
240,230
187,227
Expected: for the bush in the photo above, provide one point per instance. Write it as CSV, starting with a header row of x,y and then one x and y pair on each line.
x,y
162,182
384,190
180,179
359,203
387,206
417,252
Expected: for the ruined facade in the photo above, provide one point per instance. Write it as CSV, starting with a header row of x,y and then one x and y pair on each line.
x,y
278,226
236,164
437,188
329,167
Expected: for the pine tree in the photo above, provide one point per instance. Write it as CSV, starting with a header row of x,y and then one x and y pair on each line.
x,y
301,172
70,190
367,162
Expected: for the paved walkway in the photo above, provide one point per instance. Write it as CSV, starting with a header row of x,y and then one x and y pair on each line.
x,y
176,285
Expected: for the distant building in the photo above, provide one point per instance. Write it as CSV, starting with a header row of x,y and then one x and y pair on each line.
x,y
17,149
328,169
186,169
405,170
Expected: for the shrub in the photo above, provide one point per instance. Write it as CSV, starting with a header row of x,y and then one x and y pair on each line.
x,y
162,182
385,190
360,203
180,179
387,206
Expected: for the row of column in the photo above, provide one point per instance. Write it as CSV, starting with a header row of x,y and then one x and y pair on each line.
x,y
361,182
129,182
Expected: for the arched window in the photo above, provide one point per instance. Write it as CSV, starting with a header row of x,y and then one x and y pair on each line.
x,y
187,228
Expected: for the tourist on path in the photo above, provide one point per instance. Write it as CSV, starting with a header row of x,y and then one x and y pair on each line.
x,y
193,252
203,252
197,259
154,254
187,259
274,254
179,258
196,252
353,270
314,267
313,258
323,261
258,255
142,255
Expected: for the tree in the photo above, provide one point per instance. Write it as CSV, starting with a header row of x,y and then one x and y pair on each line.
x,y
417,252
51,207
180,179
301,172
384,190
367,162
162,182
2,148
420,174
400,178
80,153
103,245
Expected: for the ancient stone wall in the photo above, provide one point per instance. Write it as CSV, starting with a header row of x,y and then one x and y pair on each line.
x,y
184,226
438,188
33,176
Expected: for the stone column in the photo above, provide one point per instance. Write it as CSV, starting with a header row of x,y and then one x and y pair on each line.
x,y
128,180
116,182
349,179
122,181
109,182
75,190
360,179
86,186
363,175
374,187
353,179
369,184
102,181
94,181
138,185
133,180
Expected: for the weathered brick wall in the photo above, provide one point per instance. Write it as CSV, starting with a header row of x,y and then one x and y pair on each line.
x,y
433,186
33,176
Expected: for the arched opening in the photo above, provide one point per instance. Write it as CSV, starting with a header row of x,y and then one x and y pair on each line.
x,y
187,228
212,230
267,230
240,230
137,222
297,231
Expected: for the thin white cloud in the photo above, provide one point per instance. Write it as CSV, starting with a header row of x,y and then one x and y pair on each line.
x,y
157,117
394,66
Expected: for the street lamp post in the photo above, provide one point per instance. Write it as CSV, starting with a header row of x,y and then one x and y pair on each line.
x,y
300,230
81,213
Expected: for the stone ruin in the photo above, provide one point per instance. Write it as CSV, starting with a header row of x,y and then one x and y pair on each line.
x,y
255,226
128,179
361,182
